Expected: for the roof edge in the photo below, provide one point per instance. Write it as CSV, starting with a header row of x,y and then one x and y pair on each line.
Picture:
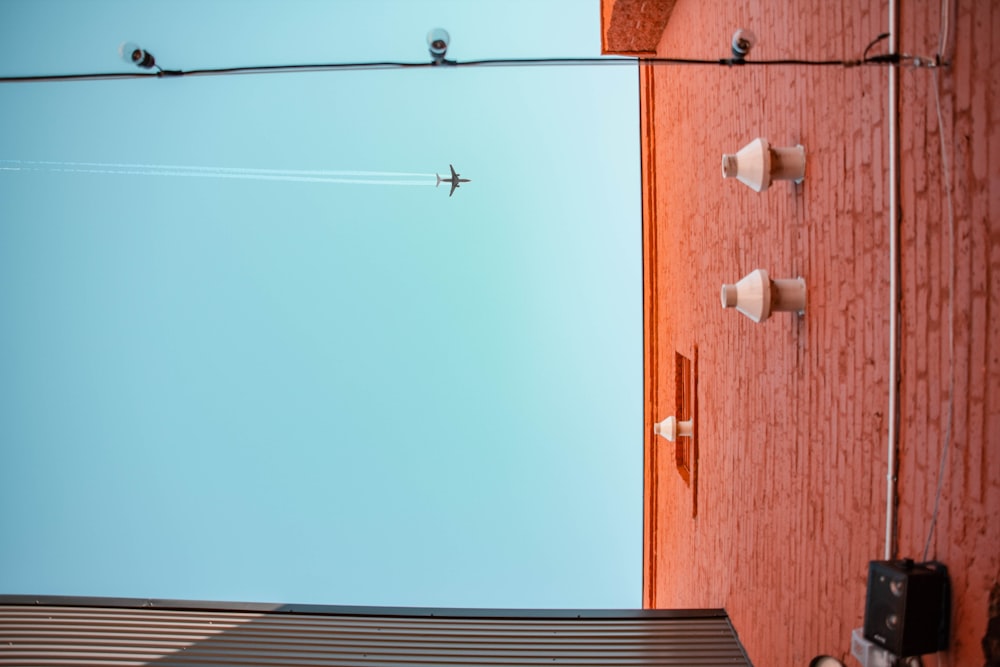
x,y
348,610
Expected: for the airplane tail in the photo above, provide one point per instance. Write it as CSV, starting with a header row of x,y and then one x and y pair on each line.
x,y
439,181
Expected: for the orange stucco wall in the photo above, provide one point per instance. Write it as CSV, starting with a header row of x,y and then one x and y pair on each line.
x,y
793,413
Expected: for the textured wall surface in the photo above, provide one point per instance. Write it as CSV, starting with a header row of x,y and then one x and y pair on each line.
x,y
792,413
633,26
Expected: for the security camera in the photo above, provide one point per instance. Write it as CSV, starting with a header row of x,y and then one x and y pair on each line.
x,y
437,44
743,41
133,54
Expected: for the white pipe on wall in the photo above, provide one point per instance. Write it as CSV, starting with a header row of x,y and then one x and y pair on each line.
x,y
893,436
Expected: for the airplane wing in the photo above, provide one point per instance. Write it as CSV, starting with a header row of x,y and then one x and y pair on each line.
x,y
454,176
454,184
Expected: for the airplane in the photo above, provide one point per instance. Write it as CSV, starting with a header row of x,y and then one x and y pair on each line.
x,y
454,180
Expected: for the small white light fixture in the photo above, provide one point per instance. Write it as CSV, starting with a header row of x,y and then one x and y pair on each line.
x,y
671,429
758,163
134,54
438,40
757,295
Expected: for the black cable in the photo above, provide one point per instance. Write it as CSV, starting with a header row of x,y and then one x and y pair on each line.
x,y
284,69
79,77
516,62
886,59
221,71
875,41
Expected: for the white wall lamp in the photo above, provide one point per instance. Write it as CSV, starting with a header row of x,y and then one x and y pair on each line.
x,y
758,163
757,295
671,429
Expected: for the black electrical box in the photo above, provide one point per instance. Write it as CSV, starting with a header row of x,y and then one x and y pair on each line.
x,y
908,607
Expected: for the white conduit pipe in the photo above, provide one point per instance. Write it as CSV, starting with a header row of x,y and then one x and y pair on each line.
x,y
893,438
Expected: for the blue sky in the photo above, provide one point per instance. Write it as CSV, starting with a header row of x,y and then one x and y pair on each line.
x,y
238,389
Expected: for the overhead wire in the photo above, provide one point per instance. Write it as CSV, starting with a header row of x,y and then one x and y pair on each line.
x,y
889,59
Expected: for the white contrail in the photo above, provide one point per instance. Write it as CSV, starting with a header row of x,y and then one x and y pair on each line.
x,y
295,175
170,167
212,174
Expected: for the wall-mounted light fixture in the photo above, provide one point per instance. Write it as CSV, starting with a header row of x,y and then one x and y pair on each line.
x,y
671,429
756,295
758,163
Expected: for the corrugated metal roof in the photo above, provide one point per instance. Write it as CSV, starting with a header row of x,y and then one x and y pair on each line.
x,y
53,635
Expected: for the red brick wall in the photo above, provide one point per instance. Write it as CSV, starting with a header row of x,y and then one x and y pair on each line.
x,y
793,413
